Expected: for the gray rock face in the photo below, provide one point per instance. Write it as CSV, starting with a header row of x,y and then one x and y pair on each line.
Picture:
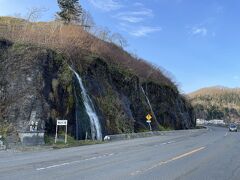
x,y
37,87
27,95
124,106
2,145
23,80
171,108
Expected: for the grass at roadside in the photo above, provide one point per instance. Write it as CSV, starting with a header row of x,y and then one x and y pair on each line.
x,y
71,142
162,128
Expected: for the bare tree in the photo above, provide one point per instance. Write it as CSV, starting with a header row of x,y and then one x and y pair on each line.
x,y
86,21
103,34
34,14
119,40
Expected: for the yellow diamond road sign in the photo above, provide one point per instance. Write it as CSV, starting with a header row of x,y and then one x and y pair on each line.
x,y
149,117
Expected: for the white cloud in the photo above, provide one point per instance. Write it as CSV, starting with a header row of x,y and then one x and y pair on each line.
x,y
144,31
131,19
199,31
143,12
106,5
138,4
135,16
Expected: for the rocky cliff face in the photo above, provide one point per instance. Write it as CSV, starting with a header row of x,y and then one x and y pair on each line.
x,y
37,85
123,105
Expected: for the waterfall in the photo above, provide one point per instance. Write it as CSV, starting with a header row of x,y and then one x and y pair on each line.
x,y
96,131
149,104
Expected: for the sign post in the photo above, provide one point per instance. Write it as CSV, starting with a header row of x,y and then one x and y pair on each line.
x,y
149,117
61,123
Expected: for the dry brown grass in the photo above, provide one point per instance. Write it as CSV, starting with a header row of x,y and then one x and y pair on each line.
x,y
214,91
72,39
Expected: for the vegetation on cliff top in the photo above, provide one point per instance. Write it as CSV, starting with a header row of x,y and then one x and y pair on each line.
x,y
74,41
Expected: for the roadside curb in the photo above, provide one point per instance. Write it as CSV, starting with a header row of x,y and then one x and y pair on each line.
x,y
120,137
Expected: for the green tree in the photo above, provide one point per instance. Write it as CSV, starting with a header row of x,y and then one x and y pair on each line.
x,y
70,11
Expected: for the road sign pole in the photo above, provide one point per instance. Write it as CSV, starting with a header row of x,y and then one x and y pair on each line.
x,y
56,134
150,127
66,135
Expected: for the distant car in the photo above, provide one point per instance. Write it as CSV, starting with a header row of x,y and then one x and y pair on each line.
x,y
233,127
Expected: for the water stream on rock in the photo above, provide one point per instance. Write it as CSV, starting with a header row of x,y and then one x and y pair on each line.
x,y
96,131
149,104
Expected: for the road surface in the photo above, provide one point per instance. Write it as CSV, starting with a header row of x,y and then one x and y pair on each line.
x,y
189,155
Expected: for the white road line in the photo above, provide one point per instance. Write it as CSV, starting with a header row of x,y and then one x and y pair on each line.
x,y
167,161
226,134
165,143
170,142
73,162
53,166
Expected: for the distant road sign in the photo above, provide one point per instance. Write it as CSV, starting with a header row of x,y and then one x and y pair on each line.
x,y
148,117
62,122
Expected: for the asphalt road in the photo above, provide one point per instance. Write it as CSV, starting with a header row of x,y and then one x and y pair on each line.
x,y
192,155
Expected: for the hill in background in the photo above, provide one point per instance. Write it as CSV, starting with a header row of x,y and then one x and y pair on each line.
x,y
217,103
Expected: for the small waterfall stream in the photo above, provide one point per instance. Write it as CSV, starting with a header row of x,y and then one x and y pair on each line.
x,y
96,131
149,104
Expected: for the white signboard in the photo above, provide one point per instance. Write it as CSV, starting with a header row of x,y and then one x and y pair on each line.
x,y
62,122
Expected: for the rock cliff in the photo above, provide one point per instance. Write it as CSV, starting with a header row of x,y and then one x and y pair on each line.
x,y
37,85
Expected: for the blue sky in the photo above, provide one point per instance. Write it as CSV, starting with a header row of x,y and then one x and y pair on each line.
x,y
197,41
